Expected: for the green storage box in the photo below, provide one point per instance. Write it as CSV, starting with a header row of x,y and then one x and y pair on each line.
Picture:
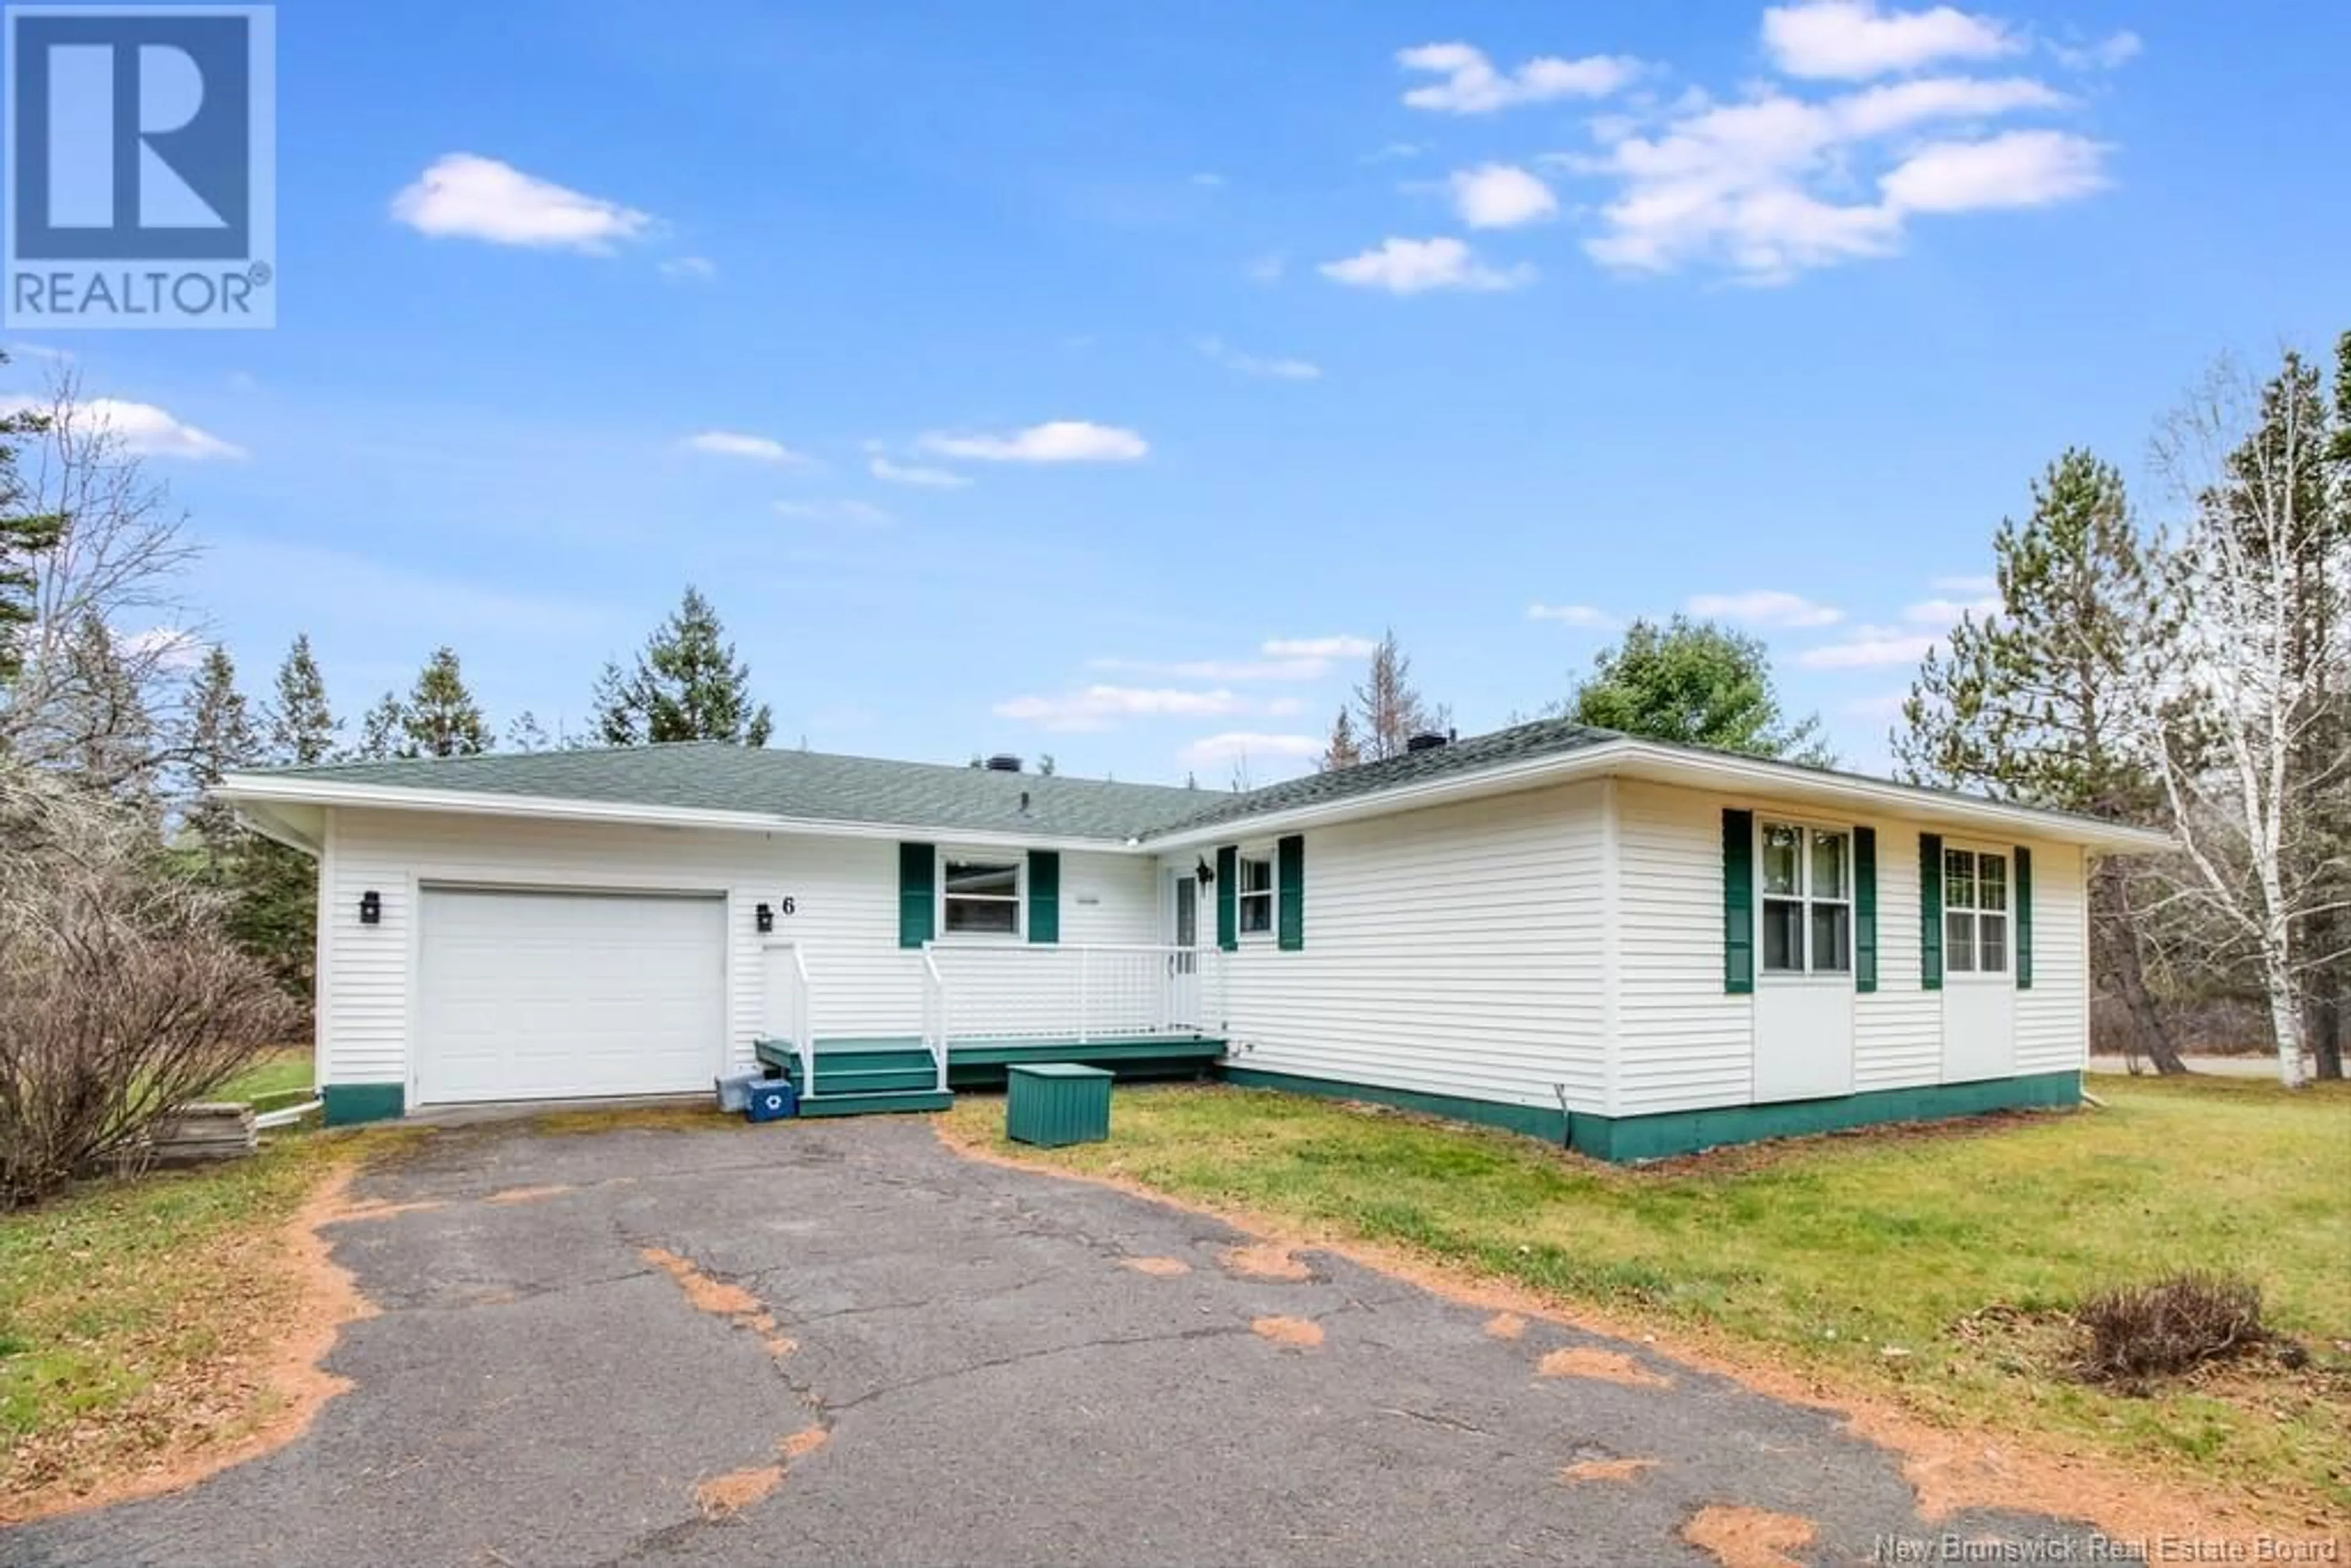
x,y
1056,1103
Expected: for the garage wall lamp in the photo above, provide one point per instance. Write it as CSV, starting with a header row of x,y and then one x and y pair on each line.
x,y
371,908
765,917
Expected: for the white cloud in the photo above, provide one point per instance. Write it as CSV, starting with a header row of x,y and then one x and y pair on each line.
x,y
1472,85
168,647
1884,707
1055,441
1341,647
1416,265
882,468
464,196
1854,39
1765,607
689,269
1232,359
1586,615
1945,612
1218,669
1500,196
1868,648
143,429
1767,186
2015,169
1235,745
2109,53
842,511
735,444
1102,706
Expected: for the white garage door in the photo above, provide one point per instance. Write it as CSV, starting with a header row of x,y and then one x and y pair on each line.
x,y
525,996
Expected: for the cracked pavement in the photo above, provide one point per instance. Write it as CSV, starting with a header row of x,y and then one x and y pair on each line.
x,y
995,1386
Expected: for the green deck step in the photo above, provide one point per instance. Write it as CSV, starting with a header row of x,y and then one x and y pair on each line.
x,y
864,1105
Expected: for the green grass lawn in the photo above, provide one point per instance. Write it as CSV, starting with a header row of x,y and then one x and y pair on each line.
x,y
1935,1267
281,1073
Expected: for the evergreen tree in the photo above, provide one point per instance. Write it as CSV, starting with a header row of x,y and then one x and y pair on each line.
x,y
1045,765
441,717
101,727
686,686
1342,751
2030,703
302,727
221,736
1388,707
524,734
1694,683
24,536
383,731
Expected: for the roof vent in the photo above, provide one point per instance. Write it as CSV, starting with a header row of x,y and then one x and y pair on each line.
x,y
1004,762
1426,741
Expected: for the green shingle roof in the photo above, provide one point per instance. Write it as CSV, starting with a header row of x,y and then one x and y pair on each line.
x,y
928,796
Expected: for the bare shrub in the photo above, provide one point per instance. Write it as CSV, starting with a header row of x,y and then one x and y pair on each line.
x,y
120,993
2140,1331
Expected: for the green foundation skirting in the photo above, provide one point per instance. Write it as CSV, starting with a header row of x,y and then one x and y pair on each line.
x,y
1632,1138
348,1102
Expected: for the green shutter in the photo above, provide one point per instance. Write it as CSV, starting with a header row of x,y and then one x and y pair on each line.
x,y
1737,902
1930,912
1865,909
1289,878
1044,895
918,871
1228,894
2024,919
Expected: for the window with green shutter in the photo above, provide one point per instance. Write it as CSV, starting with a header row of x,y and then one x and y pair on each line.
x,y
2024,919
1865,909
1290,883
1229,876
1930,912
917,893
1044,895
1737,902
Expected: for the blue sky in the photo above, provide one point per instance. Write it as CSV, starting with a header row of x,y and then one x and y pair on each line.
x,y
1056,378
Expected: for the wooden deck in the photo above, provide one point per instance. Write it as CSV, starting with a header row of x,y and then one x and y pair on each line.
x,y
980,1064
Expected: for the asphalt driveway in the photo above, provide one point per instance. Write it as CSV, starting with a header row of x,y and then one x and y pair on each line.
x,y
840,1342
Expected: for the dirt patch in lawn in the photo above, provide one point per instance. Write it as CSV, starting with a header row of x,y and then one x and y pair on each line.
x,y
1608,1365
1607,1469
1295,1333
1749,1537
1264,1261
1157,1268
1947,1470
204,1418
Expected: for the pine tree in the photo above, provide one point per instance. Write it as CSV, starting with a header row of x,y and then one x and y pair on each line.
x,y
686,686
2029,703
1388,707
221,736
383,731
524,734
24,536
442,718
1341,752
103,727
302,727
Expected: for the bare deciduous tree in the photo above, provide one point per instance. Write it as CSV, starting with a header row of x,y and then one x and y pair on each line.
x,y
2237,702
121,995
106,650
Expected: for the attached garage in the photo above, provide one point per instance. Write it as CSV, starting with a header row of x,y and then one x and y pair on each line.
x,y
535,995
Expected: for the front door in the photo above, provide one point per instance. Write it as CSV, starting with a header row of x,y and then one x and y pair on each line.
x,y
1184,963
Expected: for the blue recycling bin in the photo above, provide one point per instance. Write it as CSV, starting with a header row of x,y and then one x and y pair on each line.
x,y
770,1100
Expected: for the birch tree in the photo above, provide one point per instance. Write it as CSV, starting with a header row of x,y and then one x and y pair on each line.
x,y
2238,699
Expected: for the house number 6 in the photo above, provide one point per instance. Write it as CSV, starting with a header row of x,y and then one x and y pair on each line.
x,y
786,905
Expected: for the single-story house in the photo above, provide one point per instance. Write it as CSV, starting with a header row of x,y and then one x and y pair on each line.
x,y
1632,947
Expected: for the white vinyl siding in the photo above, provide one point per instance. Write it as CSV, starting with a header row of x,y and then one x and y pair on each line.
x,y
2052,1023
845,917
1454,950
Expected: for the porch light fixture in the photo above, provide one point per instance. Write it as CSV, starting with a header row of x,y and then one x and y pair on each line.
x,y
765,917
1205,873
371,908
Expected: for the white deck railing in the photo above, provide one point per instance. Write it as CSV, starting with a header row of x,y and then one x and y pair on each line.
x,y
934,1016
803,1017
1080,992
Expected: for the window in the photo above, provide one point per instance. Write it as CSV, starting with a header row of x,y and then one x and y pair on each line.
x,y
1975,912
1255,891
1807,900
979,897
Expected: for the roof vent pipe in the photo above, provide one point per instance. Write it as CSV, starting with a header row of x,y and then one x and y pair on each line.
x,y
1004,762
1426,741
